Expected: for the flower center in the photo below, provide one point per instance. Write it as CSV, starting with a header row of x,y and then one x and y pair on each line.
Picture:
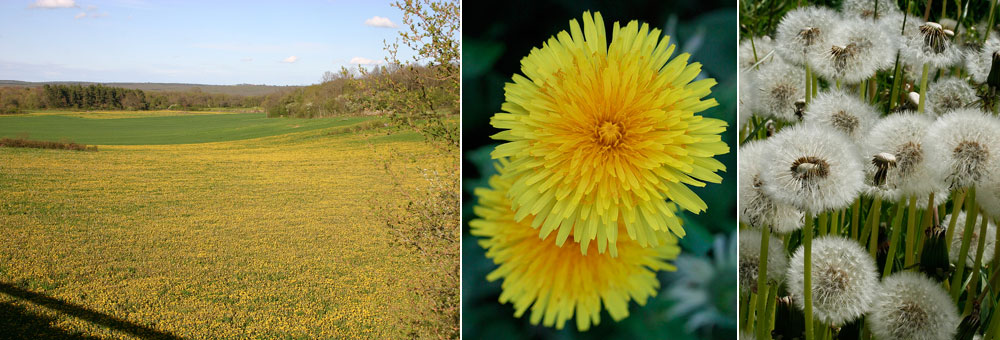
x,y
970,156
843,54
908,156
913,314
809,167
809,35
934,36
610,134
844,121
836,280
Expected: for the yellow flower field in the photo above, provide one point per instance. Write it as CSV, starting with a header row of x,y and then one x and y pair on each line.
x,y
268,238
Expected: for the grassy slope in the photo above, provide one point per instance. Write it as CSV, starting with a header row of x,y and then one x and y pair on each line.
x,y
177,128
267,238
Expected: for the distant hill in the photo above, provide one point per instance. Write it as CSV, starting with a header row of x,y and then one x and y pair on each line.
x,y
239,89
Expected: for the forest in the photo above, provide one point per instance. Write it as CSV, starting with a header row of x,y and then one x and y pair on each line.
x,y
99,97
359,90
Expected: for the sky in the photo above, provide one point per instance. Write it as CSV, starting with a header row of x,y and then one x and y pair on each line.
x,y
204,42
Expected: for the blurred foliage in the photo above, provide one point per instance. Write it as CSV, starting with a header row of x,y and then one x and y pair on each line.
x,y
494,40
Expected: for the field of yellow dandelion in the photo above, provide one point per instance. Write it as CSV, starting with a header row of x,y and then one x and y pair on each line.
x,y
268,237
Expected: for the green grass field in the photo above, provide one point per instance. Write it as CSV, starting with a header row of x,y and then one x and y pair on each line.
x,y
155,128
266,233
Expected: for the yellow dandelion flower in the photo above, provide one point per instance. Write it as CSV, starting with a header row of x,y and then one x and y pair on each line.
x,y
558,282
601,135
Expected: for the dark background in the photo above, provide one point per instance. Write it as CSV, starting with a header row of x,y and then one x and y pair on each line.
x,y
494,39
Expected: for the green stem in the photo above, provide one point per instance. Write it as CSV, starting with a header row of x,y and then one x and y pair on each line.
x,y
855,211
871,228
925,223
762,288
897,219
977,264
956,206
923,87
911,234
744,310
971,212
809,84
807,275
996,261
824,226
835,222
989,27
772,298
750,320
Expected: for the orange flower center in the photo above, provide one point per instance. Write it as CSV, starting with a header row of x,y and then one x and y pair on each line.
x,y
610,134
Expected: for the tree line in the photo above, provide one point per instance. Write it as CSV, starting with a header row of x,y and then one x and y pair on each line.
x,y
364,91
100,97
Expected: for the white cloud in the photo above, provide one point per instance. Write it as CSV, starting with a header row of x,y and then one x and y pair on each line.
x,y
291,59
364,61
92,15
377,21
91,8
53,4
246,60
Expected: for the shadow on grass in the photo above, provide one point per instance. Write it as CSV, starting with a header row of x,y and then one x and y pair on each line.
x,y
18,323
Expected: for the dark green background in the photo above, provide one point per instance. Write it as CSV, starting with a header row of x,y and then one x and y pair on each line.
x,y
495,38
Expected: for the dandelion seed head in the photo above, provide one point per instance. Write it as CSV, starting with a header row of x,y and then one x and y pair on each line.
x,y
949,94
779,86
955,247
912,306
988,195
763,46
803,30
560,283
844,279
749,261
813,168
962,147
842,112
900,135
748,97
930,45
605,132
856,49
979,61
866,8
757,208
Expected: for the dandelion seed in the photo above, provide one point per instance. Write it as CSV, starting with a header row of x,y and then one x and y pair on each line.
x,y
842,112
949,94
856,49
558,283
813,168
757,208
956,242
979,60
912,306
866,8
747,97
746,53
901,137
777,261
844,280
988,195
602,135
962,146
779,86
803,30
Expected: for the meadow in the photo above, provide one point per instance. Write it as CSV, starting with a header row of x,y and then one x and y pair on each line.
x,y
203,225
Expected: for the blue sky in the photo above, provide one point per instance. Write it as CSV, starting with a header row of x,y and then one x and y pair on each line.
x,y
207,42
